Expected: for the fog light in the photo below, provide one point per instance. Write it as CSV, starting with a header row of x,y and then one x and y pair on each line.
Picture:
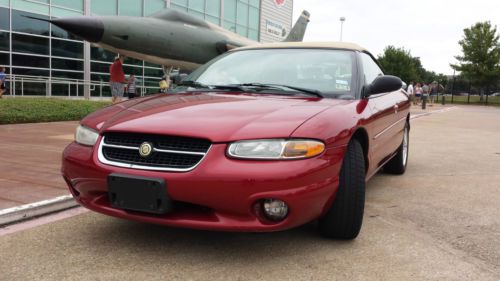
x,y
275,209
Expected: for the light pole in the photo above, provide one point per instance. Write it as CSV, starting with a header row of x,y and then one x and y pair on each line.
x,y
342,20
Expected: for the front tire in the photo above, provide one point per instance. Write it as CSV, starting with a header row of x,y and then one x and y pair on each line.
x,y
397,165
344,219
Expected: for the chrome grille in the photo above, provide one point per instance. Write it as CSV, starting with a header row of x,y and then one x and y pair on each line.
x,y
169,153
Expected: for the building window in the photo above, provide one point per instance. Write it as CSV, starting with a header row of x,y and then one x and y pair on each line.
x,y
101,54
4,41
72,4
179,8
153,6
197,5
68,74
242,14
30,44
30,61
30,71
61,33
153,72
67,64
63,48
197,14
22,23
32,6
213,9
255,3
63,12
241,30
4,19
104,8
130,8
253,18
100,67
4,59
230,10
253,34
137,71
183,3
231,26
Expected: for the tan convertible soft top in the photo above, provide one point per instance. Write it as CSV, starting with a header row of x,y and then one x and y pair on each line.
x,y
319,45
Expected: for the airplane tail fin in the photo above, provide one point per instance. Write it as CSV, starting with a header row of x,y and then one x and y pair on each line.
x,y
299,29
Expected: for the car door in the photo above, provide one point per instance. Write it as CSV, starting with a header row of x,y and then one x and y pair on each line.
x,y
383,127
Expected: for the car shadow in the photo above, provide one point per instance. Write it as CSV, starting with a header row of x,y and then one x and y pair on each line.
x,y
240,246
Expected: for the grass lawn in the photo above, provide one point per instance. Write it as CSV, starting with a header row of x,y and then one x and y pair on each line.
x,y
473,100
34,110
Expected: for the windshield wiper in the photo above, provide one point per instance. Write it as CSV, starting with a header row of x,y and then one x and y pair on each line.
x,y
228,87
277,86
193,84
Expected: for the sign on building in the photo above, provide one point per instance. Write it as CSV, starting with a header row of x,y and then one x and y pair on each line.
x,y
276,29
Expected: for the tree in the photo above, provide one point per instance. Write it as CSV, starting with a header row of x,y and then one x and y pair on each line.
x,y
480,62
399,62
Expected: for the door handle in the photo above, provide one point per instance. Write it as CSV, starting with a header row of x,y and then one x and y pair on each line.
x,y
396,107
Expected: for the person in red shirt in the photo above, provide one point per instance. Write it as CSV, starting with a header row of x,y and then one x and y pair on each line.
x,y
117,79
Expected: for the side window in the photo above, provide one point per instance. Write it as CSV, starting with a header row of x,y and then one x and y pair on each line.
x,y
370,68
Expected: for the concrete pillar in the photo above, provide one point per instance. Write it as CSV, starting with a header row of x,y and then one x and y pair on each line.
x,y
86,58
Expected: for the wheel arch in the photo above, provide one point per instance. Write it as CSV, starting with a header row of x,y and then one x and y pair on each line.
x,y
362,137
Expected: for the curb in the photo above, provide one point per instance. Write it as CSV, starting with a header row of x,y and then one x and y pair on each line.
x,y
28,211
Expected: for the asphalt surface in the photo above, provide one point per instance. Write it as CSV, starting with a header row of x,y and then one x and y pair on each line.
x,y
439,221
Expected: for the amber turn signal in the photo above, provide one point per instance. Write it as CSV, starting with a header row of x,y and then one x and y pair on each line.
x,y
303,149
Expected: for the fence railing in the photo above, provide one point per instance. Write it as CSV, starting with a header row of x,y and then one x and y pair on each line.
x,y
26,85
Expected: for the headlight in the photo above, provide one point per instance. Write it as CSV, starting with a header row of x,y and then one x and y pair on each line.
x,y
86,136
275,149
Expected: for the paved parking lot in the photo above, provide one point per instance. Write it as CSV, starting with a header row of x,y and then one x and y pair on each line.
x,y
439,221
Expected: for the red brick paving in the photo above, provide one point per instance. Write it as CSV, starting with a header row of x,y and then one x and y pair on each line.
x,y
30,161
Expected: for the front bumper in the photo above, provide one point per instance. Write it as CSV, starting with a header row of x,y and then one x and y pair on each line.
x,y
226,190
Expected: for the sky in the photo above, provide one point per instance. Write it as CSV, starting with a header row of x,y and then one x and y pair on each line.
x,y
429,29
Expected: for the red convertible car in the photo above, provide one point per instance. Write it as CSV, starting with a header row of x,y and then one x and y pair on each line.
x,y
261,138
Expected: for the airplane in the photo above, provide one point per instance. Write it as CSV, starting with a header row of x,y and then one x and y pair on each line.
x,y
169,38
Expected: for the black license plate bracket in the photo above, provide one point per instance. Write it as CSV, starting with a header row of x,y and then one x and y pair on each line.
x,y
137,193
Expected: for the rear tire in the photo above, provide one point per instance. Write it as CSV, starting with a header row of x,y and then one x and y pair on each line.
x,y
397,165
345,217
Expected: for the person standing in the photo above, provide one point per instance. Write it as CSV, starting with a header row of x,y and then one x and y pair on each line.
x,y
131,86
117,79
418,94
3,84
411,92
164,84
425,92
433,91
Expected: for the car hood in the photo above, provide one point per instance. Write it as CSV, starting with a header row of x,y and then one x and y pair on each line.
x,y
215,116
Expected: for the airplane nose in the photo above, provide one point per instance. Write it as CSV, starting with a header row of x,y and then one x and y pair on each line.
x,y
89,28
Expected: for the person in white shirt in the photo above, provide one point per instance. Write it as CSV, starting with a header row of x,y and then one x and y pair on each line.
x,y
410,91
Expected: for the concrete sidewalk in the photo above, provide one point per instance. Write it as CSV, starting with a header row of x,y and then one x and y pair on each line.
x,y
31,161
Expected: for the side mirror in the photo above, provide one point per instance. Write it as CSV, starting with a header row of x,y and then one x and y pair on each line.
x,y
383,84
405,86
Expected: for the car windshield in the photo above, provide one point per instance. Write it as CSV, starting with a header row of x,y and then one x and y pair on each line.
x,y
324,71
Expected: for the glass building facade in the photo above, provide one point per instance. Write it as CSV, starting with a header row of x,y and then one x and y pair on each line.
x,y
34,49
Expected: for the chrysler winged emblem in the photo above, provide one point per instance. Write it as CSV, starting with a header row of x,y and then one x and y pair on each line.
x,y
145,149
